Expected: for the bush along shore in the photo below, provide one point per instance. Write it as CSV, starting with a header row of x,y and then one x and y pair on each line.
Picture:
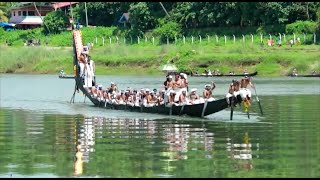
x,y
147,59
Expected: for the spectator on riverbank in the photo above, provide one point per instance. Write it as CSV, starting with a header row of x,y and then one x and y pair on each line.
x,y
294,72
291,42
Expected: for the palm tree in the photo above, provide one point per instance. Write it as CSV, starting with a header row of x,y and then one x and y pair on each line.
x,y
4,8
3,17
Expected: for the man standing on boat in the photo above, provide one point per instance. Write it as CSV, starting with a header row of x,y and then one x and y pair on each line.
x,y
168,85
233,90
184,81
245,92
93,69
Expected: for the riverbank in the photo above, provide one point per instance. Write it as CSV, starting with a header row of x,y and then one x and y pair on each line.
x,y
147,60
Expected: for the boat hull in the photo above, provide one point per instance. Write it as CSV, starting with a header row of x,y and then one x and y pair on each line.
x,y
195,110
308,75
66,77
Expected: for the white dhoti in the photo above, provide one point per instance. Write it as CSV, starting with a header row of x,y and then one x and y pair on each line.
x,y
211,99
178,93
88,77
228,96
244,92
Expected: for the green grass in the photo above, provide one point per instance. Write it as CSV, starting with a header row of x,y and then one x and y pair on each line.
x,y
120,59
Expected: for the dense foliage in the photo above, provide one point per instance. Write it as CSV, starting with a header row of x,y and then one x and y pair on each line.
x,y
188,18
170,30
145,15
301,27
55,22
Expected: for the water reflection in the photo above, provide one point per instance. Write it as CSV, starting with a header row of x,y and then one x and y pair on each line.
x,y
174,142
78,165
241,153
38,144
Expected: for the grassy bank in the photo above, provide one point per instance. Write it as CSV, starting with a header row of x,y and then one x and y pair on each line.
x,y
146,60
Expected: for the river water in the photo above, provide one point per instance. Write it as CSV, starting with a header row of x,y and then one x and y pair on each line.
x,y
40,131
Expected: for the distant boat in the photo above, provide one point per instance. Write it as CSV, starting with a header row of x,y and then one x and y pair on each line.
x,y
66,77
63,76
218,75
306,75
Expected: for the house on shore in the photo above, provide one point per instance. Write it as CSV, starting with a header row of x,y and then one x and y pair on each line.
x,y
27,16
124,19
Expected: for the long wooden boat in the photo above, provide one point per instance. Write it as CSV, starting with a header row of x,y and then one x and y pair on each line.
x,y
67,77
307,75
220,75
196,110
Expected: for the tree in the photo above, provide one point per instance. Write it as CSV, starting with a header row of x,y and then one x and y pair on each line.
x,y
140,18
318,21
101,13
168,30
55,22
4,11
3,17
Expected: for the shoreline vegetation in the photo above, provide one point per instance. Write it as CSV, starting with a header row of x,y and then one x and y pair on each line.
x,y
193,36
119,59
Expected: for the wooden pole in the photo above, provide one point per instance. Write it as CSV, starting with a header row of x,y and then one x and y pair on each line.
x,y
85,8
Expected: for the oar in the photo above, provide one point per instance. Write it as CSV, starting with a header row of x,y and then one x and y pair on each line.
x,y
181,110
248,113
258,101
232,105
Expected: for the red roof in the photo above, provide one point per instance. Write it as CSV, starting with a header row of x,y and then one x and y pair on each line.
x,y
62,4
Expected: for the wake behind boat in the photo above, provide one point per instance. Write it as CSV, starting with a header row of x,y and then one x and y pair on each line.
x,y
199,109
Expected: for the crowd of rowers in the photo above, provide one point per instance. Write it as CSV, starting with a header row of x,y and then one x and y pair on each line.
x,y
174,92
